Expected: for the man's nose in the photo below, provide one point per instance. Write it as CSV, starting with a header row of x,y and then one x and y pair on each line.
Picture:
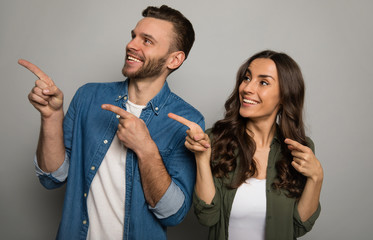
x,y
133,44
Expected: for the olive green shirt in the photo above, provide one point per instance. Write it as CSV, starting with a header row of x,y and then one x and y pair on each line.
x,y
282,218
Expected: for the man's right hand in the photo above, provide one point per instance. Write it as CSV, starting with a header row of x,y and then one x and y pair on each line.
x,y
44,96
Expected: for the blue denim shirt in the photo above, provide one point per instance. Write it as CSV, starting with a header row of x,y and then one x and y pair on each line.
x,y
88,133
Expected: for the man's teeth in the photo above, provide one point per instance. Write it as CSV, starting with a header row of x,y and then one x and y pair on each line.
x,y
133,59
250,101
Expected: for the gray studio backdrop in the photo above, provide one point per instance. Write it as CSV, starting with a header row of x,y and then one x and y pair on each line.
x,y
82,41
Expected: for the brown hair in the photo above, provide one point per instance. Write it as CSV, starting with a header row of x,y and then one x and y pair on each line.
x,y
183,28
230,140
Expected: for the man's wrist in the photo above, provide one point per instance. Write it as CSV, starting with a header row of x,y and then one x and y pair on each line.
x,y
146,150
55,116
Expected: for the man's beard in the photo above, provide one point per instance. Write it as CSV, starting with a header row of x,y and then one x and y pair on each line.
x,y
152,68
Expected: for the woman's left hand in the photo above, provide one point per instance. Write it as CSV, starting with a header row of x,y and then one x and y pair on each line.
x,y
305,161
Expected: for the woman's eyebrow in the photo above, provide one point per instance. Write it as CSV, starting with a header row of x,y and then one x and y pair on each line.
x,y
265,76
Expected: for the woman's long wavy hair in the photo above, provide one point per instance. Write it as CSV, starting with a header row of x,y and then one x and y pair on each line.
x,y
231,141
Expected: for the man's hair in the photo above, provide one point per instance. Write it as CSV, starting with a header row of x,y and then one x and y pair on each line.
x,y
183,28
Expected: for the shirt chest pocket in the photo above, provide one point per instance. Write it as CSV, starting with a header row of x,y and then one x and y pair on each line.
x,y
165,154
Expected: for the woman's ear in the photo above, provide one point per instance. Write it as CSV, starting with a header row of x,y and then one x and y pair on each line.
x,y
175,60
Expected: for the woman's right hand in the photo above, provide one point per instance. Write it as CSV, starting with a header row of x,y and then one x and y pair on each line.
x,y
196,140
199,143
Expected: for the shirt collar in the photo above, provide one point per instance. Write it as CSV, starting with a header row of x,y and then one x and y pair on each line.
x,y
156,104
277,137
122,92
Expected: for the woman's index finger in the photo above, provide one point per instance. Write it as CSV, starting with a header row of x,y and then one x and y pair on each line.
x,y
182,120
295,144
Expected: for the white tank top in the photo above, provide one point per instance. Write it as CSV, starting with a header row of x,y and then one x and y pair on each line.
x,y
105,201
247,219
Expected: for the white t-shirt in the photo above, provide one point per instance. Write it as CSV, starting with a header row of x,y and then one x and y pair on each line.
x,y
247,219
105,201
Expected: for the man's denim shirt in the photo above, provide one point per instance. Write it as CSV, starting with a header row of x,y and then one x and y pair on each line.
x,y
88,133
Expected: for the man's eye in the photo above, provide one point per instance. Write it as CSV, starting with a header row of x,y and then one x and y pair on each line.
x,y
147,41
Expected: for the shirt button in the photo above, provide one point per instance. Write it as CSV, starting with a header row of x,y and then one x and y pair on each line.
x,y
119,96
84,222
93,168
105,141
125,98
85,194
156,108
118,116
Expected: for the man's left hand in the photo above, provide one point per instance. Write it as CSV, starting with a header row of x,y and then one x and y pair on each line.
x,y
132,131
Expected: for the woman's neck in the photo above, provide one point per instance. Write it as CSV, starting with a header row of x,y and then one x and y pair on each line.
x,y
262,132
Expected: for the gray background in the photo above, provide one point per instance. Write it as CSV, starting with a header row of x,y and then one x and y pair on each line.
x,y
84,41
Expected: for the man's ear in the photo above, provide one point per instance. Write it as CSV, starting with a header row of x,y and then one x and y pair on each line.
x,y
175,60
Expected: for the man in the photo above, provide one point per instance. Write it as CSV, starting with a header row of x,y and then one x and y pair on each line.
x,y
127,171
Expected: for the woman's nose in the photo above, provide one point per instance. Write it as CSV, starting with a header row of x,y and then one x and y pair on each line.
x,y
251,87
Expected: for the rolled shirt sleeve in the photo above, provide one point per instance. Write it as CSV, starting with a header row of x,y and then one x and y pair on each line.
x,y
60,174
170,202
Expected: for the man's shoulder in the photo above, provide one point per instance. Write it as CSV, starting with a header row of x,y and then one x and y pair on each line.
x,y
97,92
179,106
107,90
97,86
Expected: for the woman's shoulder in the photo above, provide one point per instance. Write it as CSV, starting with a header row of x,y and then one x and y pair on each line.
x,y
310,143
210,134
208,131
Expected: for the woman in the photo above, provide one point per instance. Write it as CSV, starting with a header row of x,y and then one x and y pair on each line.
x,y
259,179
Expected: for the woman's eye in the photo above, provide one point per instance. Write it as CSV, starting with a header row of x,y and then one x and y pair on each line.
x,y
264,83
247,78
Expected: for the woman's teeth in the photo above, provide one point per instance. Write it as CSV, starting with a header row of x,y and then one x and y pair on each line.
x,y
250,101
